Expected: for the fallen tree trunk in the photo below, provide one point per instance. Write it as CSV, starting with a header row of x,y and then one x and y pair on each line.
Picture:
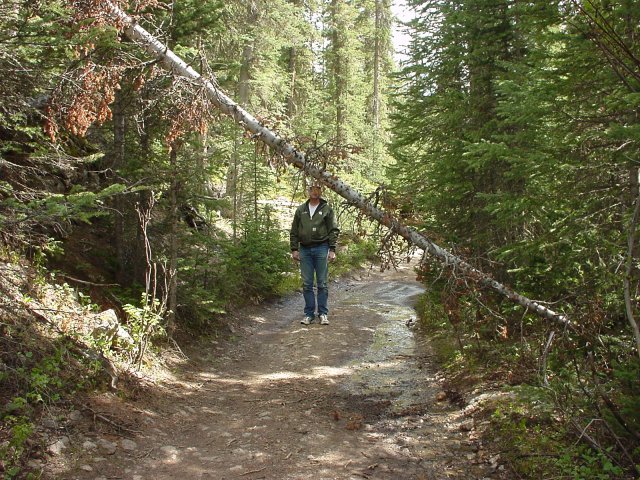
x,y
175,64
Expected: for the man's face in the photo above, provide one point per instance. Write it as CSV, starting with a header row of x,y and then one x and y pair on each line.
x,y
314,192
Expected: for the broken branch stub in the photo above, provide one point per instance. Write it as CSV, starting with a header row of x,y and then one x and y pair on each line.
x,y
175,64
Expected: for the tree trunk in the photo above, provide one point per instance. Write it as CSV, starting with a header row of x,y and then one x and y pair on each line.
x,y
236,168
172,303
296,158
293,70
377,54
123,275
338,72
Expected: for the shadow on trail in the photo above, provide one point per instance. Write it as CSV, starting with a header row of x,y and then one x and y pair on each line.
x,y
351,400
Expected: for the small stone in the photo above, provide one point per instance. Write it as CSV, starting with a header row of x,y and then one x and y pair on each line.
x,y
208,459
75,416
50,423
86,468
441,396
108,447
128,445
59,446
466,426
35,464
237,468
170,452
88,445
239,452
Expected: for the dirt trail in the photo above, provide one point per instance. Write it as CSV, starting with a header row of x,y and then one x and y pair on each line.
x,y
352,400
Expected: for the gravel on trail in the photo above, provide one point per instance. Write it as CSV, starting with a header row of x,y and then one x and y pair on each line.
x,y
359,398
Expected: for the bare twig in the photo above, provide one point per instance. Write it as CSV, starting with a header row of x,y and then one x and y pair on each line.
x,y
182,354
361,474
145,455
545,353
110,422
85,282
253,471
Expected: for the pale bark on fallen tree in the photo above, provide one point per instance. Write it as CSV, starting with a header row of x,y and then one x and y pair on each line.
x,y
175,64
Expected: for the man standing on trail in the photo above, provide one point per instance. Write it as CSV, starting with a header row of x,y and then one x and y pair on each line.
x,y
313,237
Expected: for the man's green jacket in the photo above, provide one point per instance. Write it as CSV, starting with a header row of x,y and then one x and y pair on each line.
x,y
307,231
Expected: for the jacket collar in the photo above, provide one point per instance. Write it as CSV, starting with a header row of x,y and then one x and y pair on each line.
x,y
322,203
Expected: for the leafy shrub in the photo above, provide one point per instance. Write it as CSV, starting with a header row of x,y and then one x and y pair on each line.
x,y
353,255
37,379
11,452
256,264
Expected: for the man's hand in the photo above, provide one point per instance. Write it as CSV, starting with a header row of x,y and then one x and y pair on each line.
x,y
295,255
332,255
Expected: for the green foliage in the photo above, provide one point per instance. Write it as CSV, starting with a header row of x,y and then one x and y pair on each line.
x,y
38,376
585,463
52,209
220,273
517,142
433,322
535,440
145,321
41,379
529,436
256,264
11,453
146,325
354,255
600,397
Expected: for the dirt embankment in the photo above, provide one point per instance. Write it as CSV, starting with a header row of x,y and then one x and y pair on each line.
x,y
355,399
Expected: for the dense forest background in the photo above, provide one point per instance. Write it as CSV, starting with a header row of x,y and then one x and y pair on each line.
x,y
510,134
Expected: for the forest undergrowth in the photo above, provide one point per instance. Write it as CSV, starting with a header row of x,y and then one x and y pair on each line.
x,y
562,418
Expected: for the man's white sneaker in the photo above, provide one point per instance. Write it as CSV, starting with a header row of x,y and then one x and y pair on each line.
x,y
306,320
324,320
